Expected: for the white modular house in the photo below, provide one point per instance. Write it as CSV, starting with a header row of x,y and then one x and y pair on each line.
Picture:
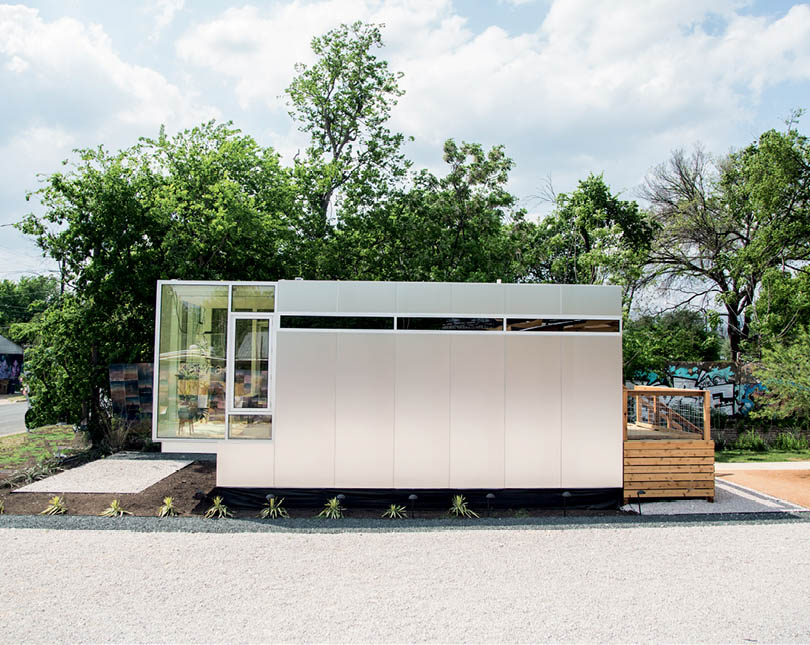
x,y
383,385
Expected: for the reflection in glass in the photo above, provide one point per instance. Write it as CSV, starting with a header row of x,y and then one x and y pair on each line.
x,y
191,378
450,324
337,322
555,324
253,298
250,426
251,363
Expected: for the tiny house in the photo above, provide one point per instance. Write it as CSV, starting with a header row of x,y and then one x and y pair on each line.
x,y
380,385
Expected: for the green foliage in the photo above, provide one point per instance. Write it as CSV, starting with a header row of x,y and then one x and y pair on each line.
x,y
114,510
395,512
56,506
218,510
274,509
167,509
332,510
653,342
459,508
790,442
785,373
750,440
22,301
592,237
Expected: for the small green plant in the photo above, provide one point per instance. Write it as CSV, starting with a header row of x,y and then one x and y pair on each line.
x,y
520,513
218,510
168,509
459,508
751,440
114,510
56,506
332,510
274,509
789,442
395,512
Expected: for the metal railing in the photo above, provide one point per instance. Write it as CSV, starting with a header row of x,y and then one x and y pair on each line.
x,y
666,413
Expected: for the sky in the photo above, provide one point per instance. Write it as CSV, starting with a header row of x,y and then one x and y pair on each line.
x,y
570,87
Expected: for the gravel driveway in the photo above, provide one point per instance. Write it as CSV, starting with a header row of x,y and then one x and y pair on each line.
x,y
692,583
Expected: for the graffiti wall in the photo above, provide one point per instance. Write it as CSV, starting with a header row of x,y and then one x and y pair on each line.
x,y
732,389
10,369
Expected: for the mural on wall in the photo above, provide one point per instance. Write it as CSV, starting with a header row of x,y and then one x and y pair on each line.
x,y
731,392
10,369
131,390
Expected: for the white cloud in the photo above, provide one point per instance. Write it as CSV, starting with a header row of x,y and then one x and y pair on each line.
x,y
164,12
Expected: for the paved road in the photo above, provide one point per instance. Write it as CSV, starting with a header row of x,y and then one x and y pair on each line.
x,y
695,583
12,418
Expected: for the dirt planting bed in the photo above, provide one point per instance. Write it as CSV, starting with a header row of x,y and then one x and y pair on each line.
x,y
790,485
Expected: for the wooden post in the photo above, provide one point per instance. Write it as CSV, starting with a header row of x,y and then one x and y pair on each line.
x,y
654,411
707,415
624,413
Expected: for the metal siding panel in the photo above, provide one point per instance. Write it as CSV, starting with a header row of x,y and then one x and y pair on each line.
x,y
591,300
304,419
364,411
477,298
533,412
591,412
422,430
366,297
423,297
476,411
532,299
245,463
306,296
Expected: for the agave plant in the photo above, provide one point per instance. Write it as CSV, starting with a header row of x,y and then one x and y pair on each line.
x,y
459,508
395,512
56,506
168,509
218,510
332,510
114,510
273,509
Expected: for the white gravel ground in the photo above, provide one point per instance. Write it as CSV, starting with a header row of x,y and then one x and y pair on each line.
x,y
108,476
695,583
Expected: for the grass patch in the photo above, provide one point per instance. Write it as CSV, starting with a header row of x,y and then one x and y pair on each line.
x,y
742,456
27,448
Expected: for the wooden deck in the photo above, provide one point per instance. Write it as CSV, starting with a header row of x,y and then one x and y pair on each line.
x,y
668,458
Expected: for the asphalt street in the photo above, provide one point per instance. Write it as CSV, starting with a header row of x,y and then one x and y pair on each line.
x,y
12,418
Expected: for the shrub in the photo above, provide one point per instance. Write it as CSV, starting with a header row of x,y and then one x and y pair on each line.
x,y
56,506
790,442
332,510
168,509
114,510
751,440
459,508
218,510
395,512
274,509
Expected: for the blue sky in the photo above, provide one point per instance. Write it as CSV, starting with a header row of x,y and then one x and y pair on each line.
x,y
569,86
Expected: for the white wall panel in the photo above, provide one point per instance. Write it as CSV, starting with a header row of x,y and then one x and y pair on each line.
x,y
588,300
591,411
304,419
476,411
364,411
423,297
422,429
245,463
532,299
532,411
366,297
306,296
476,298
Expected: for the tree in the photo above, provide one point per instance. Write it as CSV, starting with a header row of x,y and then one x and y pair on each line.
x,y
343,102
652,342
22,300
205,204
785,372
592,237
723,225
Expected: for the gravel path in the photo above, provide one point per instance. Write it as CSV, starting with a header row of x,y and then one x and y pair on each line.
x,y
644,583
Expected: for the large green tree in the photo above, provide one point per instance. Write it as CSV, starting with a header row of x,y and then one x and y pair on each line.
x,y
24,299
591,237
724,225
208,203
